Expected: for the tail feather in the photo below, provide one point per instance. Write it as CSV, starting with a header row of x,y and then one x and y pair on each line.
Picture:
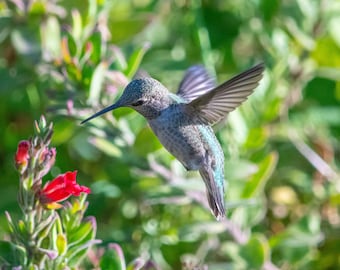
x,y
215,193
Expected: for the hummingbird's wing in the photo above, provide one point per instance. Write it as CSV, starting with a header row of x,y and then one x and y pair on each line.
x,y
213,106
195,83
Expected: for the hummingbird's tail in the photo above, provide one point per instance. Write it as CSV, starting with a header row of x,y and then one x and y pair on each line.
x,y
215,192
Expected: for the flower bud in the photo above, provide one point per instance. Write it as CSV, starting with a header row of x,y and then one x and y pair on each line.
x,y
22,156
46,161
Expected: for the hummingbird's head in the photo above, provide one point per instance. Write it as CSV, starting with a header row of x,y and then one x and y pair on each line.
x,y
146,95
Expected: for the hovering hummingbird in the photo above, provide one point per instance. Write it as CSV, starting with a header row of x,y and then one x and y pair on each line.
x,y
182,122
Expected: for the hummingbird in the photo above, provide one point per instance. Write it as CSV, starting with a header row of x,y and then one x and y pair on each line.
x,y
183,121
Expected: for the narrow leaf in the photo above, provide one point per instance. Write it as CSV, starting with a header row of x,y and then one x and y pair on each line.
x,y
113,258
96,83
135,60
107,147
77,24
256,251
257,182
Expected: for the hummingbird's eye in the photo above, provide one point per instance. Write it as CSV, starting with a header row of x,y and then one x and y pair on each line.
x,y
138,103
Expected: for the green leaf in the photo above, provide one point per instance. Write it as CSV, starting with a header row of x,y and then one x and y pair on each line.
x,y
73,72
87,73
249,215
256,138
5,25
25,42
12,227
37,8
113,258
82,240
257,182
45,224
106,189
83,148
63,131
51,38
335,199
269,8
98,47
77,25
326,52
81,232
135,60
107,147
120,60
123,29
272,109
12,254
65,51
333,29
255,252
239,169
304,233
326,97
96,83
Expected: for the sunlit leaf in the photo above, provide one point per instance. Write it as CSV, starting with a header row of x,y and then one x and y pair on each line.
x,y
65,51
239,169
37,8
125,28
107,147
256,138
81,233
326,52
73,71
51,37
113,258
256,183
106,189
63,131
25,42
72,45
98,47
135,60
77,24
255,251
97,83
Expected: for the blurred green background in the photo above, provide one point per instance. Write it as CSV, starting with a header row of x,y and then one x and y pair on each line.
x,y
67,59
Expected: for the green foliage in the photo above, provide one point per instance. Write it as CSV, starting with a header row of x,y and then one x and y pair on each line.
x,y
72,58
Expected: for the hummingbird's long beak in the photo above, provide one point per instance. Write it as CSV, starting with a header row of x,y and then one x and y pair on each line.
x,y
107,109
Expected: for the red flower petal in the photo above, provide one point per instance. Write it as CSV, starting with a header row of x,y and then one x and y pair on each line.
x,y
62,187
22,154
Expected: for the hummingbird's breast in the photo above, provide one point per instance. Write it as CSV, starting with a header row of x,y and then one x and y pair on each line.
x,y
182,137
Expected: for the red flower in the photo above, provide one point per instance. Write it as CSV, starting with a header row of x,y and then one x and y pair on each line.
x,y
60,188
22,156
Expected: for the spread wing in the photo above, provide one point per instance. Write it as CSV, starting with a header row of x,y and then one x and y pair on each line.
x,y
214,105
195,83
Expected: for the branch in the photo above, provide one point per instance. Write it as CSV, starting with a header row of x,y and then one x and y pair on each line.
x,y
314,159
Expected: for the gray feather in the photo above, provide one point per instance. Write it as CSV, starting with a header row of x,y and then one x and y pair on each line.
x,y
214,105
195,83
